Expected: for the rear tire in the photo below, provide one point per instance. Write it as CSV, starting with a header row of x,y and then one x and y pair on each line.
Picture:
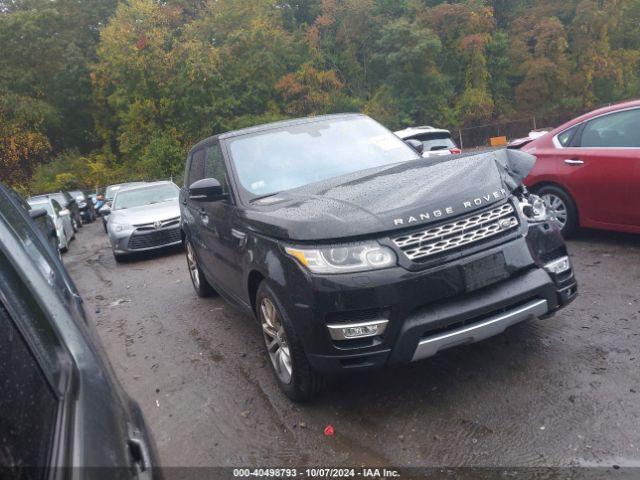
x,y
291,368
200,284
560,204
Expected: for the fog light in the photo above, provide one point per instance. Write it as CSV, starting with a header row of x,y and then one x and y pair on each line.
x,y
558,266
354,332
357,330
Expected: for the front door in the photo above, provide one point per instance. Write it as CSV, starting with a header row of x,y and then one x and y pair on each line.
x,y
221,244
601,170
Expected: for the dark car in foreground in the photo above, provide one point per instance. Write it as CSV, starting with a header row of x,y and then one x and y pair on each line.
x,y
588,170
354,253
60,402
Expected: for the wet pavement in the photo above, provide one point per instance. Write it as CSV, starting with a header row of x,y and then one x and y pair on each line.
x,y
558,392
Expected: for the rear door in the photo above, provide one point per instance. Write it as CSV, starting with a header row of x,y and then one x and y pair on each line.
x,y
601,168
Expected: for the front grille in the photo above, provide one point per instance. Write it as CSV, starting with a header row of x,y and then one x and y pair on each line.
x,y
419,246
155,238
159,224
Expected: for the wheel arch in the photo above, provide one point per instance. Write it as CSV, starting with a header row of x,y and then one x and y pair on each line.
x,y
548,183
253,282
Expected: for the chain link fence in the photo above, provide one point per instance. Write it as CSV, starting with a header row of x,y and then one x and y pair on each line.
x,y
480,136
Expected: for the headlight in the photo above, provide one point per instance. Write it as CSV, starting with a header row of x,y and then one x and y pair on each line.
x,y
534,208
120,227
344,259
82,204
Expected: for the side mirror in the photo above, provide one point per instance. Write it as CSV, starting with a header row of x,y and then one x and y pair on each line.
x,y
415,144
105,210
64,212
206,190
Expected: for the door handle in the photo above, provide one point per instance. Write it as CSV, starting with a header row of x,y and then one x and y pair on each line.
x,y
573,162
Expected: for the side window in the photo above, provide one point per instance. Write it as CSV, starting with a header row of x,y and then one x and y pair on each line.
x,y
196,168
27,404
620,129
214,165
56,207
565,137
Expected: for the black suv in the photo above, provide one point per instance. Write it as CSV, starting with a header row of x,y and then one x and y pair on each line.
x,y
354,252
61,405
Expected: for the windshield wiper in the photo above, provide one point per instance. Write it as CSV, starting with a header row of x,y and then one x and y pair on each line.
x,y
255,199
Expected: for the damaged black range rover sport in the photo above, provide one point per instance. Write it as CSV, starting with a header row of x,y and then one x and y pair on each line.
x,y
354,252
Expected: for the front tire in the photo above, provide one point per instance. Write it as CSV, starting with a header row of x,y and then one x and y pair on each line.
x,y
295,376
200,284
64,246
561,206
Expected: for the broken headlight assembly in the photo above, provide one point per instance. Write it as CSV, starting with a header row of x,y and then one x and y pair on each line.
x,y
532,207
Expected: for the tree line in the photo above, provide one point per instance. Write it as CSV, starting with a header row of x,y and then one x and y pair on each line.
x,y
98,91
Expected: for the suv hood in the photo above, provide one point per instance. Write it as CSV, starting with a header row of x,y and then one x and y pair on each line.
x,y
407,195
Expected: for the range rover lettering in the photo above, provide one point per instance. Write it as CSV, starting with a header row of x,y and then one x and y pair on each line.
x,y
353,252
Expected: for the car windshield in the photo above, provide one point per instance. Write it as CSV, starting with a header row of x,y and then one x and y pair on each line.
x,y
44,205
111,191
139,197
292,156
77,195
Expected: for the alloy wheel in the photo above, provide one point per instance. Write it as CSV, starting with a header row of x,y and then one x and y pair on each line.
x,y
557,208
276,340
193,266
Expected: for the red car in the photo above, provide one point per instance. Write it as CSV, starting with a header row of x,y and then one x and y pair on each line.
x,y
588,170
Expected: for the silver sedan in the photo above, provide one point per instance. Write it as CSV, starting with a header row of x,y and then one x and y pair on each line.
x,y
144,217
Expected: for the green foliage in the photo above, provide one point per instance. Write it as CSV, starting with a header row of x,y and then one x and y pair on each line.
x,y
99,91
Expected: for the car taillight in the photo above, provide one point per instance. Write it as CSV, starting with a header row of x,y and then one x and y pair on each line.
x,y
455,150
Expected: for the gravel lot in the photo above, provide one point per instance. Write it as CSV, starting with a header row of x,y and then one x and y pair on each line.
x,y
558,392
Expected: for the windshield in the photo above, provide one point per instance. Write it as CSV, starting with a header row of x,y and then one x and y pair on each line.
x,y
111,191
43,205
297,155
139,197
